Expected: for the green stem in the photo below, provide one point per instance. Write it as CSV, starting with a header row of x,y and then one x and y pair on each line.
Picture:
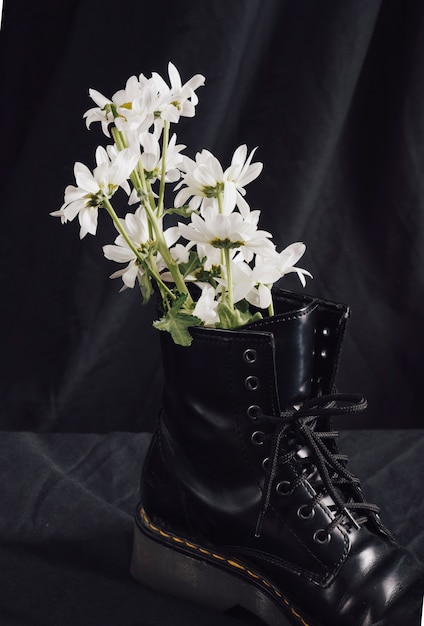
x,y
229,278
152,199
142,180
137,176
109,208
163,287
166,255
165,141
138,180
119,139
223,257
271,311
220,202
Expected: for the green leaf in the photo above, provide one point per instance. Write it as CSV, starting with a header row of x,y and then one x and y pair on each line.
x,y
177,322
192,264
234,318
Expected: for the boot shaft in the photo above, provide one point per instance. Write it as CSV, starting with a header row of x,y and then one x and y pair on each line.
x,y
263,367
216,391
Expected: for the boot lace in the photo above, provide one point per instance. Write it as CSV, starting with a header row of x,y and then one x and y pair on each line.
x,y
322,459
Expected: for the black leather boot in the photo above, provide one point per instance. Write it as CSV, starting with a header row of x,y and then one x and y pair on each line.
x,y
245,499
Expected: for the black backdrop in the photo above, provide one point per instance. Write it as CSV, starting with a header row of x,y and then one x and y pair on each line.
x,y
332,92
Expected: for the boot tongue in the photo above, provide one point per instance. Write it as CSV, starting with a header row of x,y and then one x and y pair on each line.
x,y
294,338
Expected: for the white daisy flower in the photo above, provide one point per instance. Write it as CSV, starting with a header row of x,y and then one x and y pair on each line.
x,y
151,158
206,306
286,260
207,184
178,99
233,232
145,102
136,226
92,188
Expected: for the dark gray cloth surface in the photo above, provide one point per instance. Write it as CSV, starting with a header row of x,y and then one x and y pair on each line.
x,y
67,502
332,94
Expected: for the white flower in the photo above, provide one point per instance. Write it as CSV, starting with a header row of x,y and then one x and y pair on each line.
x,y
101,113
131,109
241,172
136,105
222,254
251,284
233,232
180,253
206,183
242,279
93,187
151,158
254,284
177,100
264,274
206,306
286,260
136,226
204,179
145,102
267,271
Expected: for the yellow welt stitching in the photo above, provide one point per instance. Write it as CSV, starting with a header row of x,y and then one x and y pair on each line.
x,y
299,617
220,558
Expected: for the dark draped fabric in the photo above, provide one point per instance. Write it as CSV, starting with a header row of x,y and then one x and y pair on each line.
x,y
65,545
331,92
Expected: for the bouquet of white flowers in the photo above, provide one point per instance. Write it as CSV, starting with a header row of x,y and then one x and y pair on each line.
x,y
214,268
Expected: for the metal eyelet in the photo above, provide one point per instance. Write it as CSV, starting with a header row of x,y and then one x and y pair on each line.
x,y
250,355
321,536
305,511
326,332
324,354
254,412
257,438
252,383
284,488
320,381
265,463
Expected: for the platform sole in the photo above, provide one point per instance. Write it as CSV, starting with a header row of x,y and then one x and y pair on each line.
x,y
172,565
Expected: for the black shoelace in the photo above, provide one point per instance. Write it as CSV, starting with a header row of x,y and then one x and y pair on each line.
x,y
334,478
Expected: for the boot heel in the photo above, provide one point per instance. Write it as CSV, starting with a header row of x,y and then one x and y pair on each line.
x,y
172,572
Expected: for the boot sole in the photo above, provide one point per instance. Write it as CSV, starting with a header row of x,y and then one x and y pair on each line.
x,y
172,565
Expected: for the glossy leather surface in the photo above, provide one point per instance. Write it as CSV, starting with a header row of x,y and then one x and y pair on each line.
x,y
205,472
